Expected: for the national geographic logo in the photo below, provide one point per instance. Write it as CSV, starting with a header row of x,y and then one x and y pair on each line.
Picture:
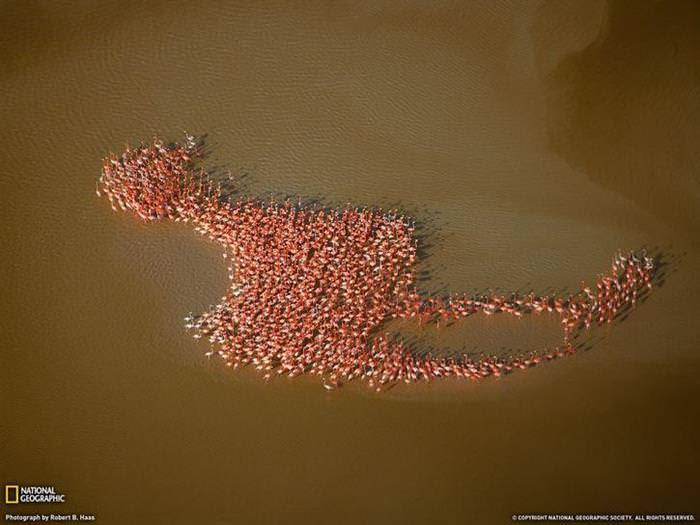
x,y
32,494
11,494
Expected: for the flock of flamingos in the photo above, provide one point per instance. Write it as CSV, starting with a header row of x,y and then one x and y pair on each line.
x,y
310,287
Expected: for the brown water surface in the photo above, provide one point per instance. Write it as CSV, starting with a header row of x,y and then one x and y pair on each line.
x,y
536,138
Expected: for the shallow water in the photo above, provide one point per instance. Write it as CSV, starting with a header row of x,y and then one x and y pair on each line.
x,y
534,138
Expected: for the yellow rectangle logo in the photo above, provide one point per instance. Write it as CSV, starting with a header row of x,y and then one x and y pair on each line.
x,y
11,494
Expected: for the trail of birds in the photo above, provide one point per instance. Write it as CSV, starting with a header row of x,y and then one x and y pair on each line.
x,y
311,287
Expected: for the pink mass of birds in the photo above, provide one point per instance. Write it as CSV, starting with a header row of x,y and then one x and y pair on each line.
x,y
311,287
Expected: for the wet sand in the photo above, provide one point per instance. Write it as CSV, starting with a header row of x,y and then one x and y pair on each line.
x,y
534,138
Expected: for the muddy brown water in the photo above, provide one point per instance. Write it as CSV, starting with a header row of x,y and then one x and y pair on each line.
x,y
535,138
